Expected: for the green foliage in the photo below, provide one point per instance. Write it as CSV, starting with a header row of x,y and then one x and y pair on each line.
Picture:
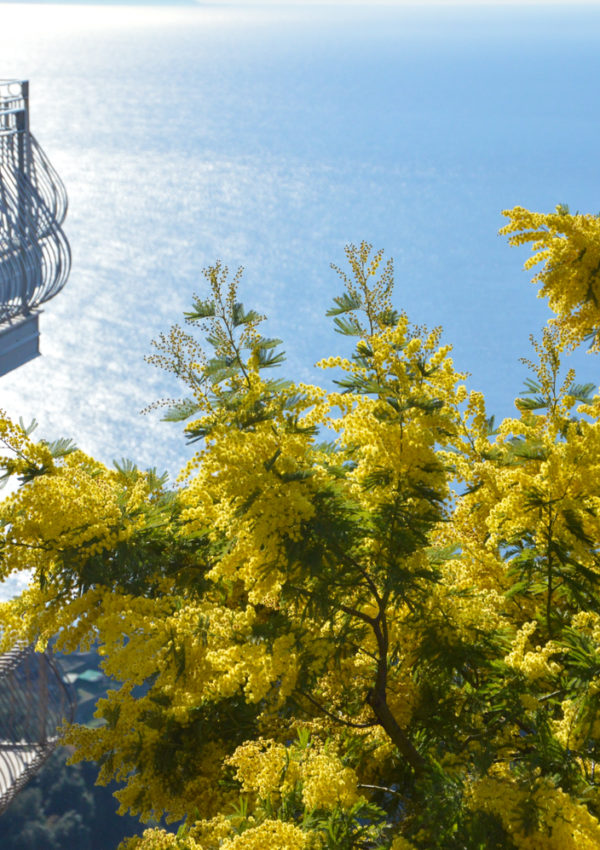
x,y
315,634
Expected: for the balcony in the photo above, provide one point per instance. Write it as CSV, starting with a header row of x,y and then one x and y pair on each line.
x,y
35,258
34,702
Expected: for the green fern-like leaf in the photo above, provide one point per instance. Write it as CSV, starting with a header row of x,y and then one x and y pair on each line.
x,y
61,447
181,411
265,342
241,317
126,467
344,304
28,429
582,392
348,327
203,309
388,318
268,359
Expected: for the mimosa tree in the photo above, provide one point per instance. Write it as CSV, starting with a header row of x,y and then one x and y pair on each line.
x,y
363,618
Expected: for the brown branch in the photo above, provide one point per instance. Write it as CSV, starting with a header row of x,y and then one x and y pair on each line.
x,y
335,717
354,563
377,699
381,709
353,612
381,788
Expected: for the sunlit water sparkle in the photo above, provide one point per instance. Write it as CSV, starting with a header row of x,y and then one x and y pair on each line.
x,y
271,137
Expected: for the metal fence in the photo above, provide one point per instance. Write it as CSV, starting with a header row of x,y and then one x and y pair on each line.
x,y
35,258
34,702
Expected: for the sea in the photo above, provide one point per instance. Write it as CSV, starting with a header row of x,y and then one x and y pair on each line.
x,y
270,137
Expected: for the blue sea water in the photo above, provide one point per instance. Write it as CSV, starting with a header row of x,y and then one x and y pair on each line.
x,y
270,137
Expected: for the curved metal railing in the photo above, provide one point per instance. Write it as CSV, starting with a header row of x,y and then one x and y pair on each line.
x,y
34,702
35,258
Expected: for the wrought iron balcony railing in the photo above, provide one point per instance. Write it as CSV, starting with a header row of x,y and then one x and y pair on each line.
x,y
35,258
34,265
34,702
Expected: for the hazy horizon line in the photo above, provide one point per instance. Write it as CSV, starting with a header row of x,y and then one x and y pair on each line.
x,y
233,3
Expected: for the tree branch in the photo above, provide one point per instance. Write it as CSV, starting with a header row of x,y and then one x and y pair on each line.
x,y
335,717
377,699
353,612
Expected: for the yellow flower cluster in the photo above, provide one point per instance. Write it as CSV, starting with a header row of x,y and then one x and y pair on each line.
x,y
270,770
327,783
562,824
400,843
569,248
159,839
536,663
270,833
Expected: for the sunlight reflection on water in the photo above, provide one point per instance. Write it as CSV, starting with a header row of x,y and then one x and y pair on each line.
x,y
271,137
